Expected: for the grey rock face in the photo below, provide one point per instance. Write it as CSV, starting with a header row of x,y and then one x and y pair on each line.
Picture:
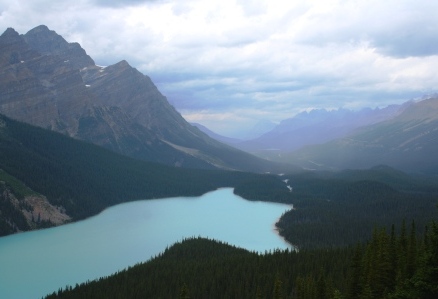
x,y
48,42
39,89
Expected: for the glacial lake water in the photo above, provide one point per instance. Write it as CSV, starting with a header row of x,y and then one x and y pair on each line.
x,y
34,264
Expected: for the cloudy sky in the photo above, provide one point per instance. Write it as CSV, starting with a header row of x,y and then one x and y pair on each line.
x,y
230,63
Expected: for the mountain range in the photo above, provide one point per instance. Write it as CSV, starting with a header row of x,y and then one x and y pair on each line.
x,y
408,141
315,127
48,82
401,136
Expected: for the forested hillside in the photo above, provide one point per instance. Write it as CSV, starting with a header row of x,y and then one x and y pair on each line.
x,y
201,268
81,179
388,266
334,209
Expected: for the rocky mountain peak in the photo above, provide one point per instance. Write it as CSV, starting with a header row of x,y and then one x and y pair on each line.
x,y
122,64
13,49
9,36
45,41
40,28
48,42
40,88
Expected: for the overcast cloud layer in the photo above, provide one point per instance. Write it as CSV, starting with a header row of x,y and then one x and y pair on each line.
x,y
230,63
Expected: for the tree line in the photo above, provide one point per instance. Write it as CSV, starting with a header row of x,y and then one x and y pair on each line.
x,y
332,209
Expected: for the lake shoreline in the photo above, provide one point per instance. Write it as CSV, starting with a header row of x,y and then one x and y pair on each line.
x,y
127,234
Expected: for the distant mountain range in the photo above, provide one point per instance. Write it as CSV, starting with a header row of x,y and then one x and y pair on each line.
x,y
402,136
315,127
408,141
48,82
239,136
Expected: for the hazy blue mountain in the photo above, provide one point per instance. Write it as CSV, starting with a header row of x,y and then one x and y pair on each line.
x,y
315,127
408,142
256,131
260,128
48,82
224,139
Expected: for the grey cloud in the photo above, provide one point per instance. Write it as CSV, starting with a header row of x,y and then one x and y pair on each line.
x,y
413,41
270,67
117,3
393,28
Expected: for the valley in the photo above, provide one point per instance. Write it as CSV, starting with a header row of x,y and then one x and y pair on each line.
x,y
354,191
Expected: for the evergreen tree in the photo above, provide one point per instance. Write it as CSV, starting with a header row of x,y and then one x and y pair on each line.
x,y
425,281
354,284
278,288
393,257
322,290
383,279
402,255
411,255
184,293
259,293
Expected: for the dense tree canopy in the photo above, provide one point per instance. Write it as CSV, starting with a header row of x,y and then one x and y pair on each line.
x,y
389,265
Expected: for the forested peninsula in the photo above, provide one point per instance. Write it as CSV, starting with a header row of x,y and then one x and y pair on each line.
x,y
389,265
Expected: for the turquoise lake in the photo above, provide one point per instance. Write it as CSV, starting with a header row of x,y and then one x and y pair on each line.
x,y
34,264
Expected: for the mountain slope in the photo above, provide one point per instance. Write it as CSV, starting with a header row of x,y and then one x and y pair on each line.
x,y
46,81
408,142
218,137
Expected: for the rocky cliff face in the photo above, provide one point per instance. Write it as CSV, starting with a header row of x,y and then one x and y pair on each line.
x,y
48,82
39,89
23,213
123,86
